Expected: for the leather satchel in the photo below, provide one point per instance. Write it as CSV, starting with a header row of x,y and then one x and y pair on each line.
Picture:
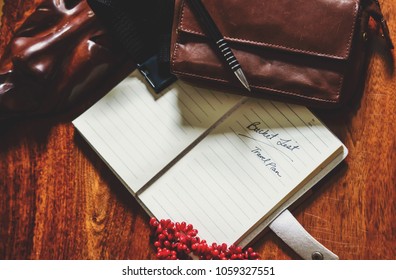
x,y
309,52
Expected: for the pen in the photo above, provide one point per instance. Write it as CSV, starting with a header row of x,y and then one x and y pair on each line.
x,y
215,35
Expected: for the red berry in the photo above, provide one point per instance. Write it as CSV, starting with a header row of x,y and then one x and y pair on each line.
x,y
182,239
170,225
161,236
178,240
153,222
253,255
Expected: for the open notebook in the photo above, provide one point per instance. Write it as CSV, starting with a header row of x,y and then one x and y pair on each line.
x,y
226,164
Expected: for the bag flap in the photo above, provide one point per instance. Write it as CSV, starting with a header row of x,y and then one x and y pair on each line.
x,y
318,27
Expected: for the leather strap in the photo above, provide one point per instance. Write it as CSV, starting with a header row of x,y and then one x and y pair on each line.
x,y
293,234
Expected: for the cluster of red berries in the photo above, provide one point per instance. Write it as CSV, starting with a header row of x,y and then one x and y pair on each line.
x,y
175,241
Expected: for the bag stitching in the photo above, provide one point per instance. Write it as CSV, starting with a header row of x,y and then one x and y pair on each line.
x,y
260,87
263,87
177,37
240,40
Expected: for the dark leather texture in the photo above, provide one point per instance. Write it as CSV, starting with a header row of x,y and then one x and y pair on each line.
x,y
308,52
60,54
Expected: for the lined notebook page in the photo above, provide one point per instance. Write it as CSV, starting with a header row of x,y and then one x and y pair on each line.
x,y
137,132
249,165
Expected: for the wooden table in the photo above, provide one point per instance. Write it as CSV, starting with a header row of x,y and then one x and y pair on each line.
x,y
58,200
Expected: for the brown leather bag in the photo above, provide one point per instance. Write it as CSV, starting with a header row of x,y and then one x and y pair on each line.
x,y
309,52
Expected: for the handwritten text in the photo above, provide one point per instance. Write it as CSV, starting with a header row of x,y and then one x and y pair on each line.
x,y
288,144
267,161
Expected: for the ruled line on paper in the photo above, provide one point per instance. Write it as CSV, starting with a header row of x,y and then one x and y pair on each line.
x,y
199,92
227,167
107,145
130,131
282,127
147,131
307,123
237,182
157,135
119,143
156,112
208,217
215,96
313,150
202,198
193,100
229,183
304,125
166,214
202,224
224,192
293,124
250,164
271,128
133,126
237,178
269,144
221,199
174,106
165,207
183,156
271,153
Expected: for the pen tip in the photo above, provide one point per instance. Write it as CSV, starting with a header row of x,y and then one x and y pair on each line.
x,y
242,78
248,88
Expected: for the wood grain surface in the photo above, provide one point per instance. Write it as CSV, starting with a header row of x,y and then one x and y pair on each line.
x,y
58,200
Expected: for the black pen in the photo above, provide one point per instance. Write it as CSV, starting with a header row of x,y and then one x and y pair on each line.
x,y
214,34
